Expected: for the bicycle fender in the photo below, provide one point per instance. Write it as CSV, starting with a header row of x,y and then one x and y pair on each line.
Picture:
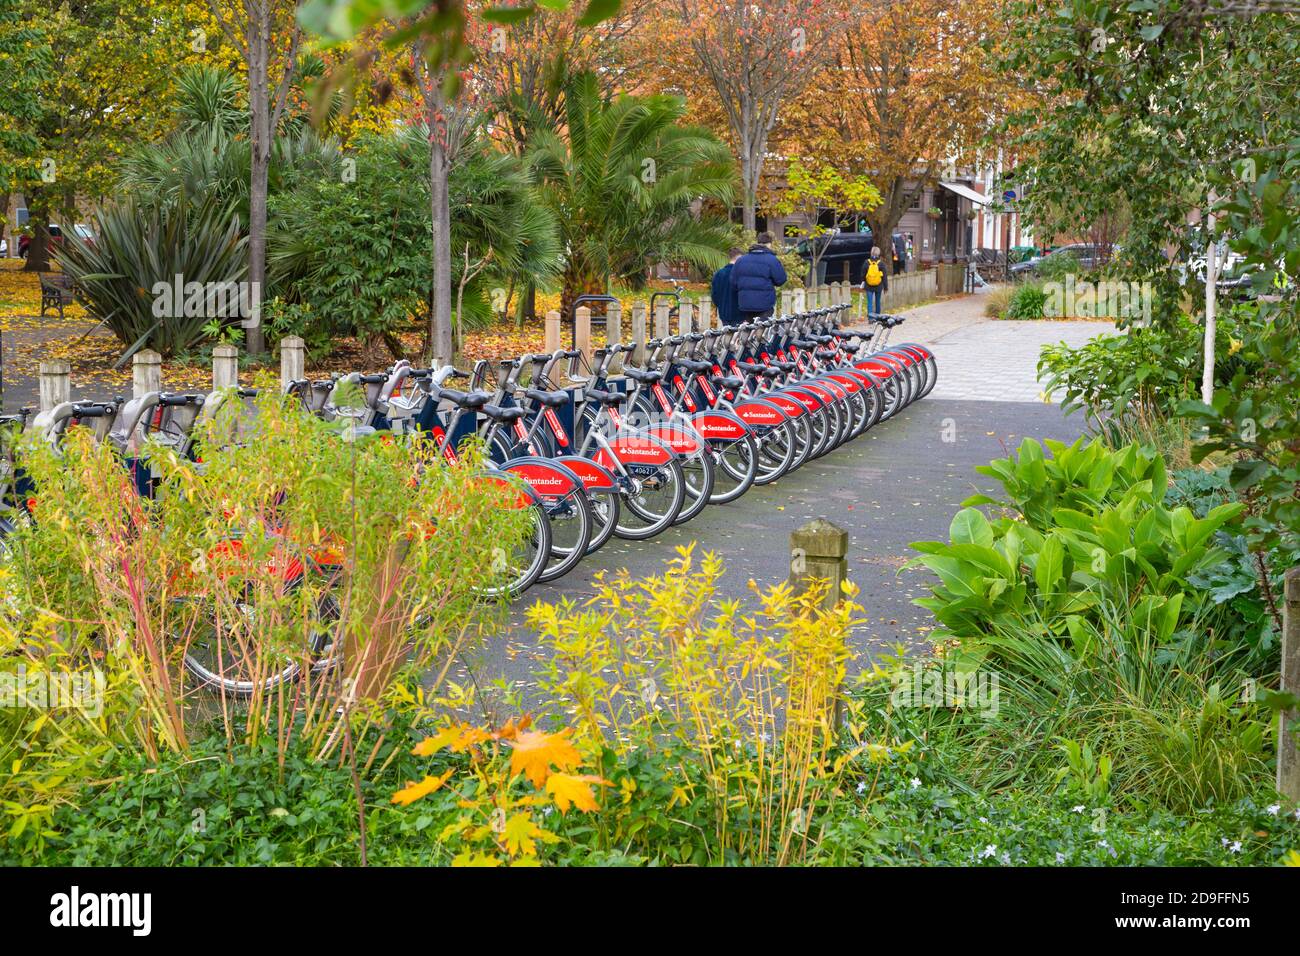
x,y
719,426
547,478
635,447
765,411
682,440
592,475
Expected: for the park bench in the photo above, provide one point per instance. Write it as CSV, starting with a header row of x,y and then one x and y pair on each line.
x,y
57,292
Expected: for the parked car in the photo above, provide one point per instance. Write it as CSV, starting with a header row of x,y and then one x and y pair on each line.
x,y
80,230
1085,255
851,248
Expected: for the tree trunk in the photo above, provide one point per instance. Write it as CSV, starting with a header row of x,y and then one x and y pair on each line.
x,y
440,210
38,251
259,104
1211,304
579,280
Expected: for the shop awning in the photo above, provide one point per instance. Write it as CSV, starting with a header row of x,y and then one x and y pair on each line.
x,y
978,198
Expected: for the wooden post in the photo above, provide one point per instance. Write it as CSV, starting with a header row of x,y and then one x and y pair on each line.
x,y
582,325
662,321
820,550
146,373
552,340
800,300
787,302
55,383
686,318
614,334
293,360
706,313
1288,753
638,332
225,367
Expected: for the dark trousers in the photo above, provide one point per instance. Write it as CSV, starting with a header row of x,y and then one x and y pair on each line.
x,y
751,316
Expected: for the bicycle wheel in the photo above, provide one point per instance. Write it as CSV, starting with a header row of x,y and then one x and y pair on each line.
x,y
735,468
698,478
777,450
605,510
517,568
227,655
653,500
569,516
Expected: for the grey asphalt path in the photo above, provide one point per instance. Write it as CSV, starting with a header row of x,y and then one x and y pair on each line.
x,y
901,482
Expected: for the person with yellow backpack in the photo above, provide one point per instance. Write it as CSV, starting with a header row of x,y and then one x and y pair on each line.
x,y
875,281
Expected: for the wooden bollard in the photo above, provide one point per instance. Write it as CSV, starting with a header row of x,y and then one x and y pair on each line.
x,y
787,302
705,317
663,327
146,373
225,367
1288,753
293,360
582,334
614,334
55,378
552,339
685,318
639,310
820,550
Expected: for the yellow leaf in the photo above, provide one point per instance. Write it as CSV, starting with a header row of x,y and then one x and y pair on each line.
x,y
1292,858
416,791
457,739
521,835
569,790
535,751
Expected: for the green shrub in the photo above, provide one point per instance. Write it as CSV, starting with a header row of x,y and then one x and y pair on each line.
x,y
1027,302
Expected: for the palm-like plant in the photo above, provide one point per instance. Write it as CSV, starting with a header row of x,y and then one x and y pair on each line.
x,y
622,178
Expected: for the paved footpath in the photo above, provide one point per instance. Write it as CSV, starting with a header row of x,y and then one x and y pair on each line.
x,y
899,483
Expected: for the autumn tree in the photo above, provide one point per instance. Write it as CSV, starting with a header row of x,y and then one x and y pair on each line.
x,y
268,38
97,95
25,56
914,92
756,57
811,187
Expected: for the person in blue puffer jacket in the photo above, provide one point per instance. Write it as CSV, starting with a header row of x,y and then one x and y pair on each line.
x,y
756,276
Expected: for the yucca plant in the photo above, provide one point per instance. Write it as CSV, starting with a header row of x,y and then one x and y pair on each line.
x,y
135,250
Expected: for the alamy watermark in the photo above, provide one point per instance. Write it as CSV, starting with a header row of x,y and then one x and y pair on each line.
x,y
53,690
942,685
1105,298
208,300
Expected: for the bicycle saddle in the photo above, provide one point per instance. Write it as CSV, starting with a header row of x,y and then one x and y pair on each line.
x,y
645,375
554,399
606,398
503,415
473,399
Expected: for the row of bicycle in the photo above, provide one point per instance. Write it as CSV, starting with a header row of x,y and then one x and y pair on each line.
x,y
621,449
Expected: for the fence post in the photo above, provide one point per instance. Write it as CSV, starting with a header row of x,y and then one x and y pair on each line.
x,y
55,383
706,313
638,333
225,367
552,339
787,301
146,373
582,331
820,550
663,328
686,318
614,334
293,360
1288,752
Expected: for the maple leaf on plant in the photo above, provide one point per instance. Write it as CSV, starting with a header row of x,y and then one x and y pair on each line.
x,y
574,790
521,834
416,791
535,751
456,738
